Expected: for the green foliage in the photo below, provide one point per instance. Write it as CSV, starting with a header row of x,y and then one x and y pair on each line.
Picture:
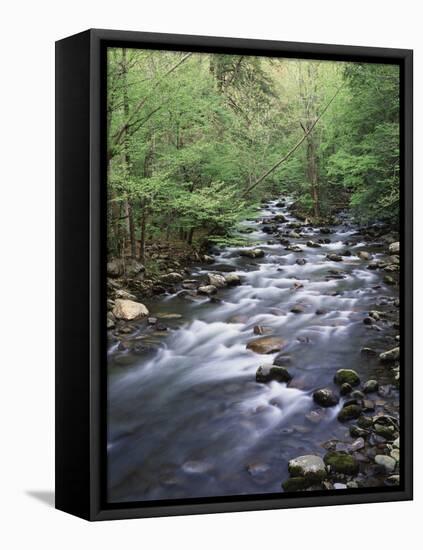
x,y
189,133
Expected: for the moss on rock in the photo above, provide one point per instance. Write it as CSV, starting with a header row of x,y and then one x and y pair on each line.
x,y
347,376
341,462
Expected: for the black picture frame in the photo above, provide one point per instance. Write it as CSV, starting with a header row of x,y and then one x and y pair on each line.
x,y
81,278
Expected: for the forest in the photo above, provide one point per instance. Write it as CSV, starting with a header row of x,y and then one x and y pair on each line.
x,y
196,141
253,275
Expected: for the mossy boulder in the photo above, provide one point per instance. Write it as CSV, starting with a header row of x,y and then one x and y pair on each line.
x,y
350,412
347,376
341,462
310,467
371,386
364,422
295,484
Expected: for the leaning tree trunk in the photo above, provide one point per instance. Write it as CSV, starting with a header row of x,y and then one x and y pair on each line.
x,y
312,174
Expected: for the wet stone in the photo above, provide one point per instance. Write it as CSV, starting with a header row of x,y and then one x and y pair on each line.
x,y
269,344
370,386
348,376
350,412
341,462
311,467
267,373
325,397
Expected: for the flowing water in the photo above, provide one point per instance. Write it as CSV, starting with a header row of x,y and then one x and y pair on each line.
x,y
189,419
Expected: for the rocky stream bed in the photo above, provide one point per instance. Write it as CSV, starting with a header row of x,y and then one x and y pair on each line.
x,y
268,368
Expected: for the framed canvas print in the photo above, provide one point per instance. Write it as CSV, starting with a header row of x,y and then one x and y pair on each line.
x,y
234,274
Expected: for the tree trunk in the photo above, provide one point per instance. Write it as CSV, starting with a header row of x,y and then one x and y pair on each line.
x,y
143,231
312,173
130,226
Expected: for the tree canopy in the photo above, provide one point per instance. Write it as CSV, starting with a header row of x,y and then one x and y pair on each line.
x,y
193,138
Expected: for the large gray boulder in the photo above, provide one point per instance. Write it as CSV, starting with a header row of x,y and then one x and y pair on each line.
x,y
128,310
310,467
216,280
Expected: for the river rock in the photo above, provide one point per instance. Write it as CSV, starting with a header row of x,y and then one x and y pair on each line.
x,y
293,484
219,281
208,259
364,422
346,388
208,290
394,249
334,257
356,431
364,255
310,467
325,397
341,462
128,310
297,309
368,405
387,462
390,356
232,279
268,228
252,253
268,344
370,386
387,432
348,376
267,373
312,244
172,277
300,261
350,412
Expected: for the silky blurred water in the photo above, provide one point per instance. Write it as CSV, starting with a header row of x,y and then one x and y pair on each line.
x,y
190,420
